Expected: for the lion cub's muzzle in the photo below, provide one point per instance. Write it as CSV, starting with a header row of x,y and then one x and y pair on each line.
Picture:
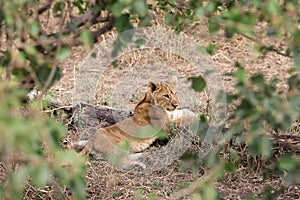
x,y
173,107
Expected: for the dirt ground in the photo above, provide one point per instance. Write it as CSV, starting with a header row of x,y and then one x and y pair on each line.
x,y
105,182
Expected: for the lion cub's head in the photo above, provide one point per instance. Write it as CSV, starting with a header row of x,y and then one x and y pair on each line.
x,y
163,94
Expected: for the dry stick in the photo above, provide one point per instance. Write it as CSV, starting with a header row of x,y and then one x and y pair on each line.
x,y
210,175
108,26
88,16
54,109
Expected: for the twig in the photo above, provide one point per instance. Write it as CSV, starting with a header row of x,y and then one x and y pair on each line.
x,y
108,26
88,17
59,108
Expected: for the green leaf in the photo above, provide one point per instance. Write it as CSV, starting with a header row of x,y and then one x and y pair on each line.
x,y
139,42
34,28
43,73
70,169
59,6
81,5
70,159
117,49
169,18
211,159
198,83
211,6
62,54
126,37
114,63
213,25
153,196
211,49
41,175
273,7
140,7
72,26
78,186
209,192
196,196
287,162
6,60
241,75
31,50
117,9
200,12
201,49
18,179
147,132
231,167
229,33
93,55
292,178
123,23
56,132
297,62
21,57
261,146
10,20
258,79
265,146
87,37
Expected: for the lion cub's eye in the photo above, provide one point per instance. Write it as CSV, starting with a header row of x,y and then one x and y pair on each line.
x,y
167,96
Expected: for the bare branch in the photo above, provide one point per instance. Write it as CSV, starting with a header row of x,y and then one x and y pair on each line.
x,y
89,17
107,27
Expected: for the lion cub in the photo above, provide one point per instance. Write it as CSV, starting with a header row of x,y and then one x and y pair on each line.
x,y
151,113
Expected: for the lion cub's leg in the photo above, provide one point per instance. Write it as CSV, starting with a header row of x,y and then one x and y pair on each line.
x,y
100,147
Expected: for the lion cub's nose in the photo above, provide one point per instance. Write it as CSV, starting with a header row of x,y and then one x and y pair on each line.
x,y
175,105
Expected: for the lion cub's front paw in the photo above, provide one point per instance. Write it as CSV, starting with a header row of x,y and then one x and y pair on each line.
x,y
130,163
134,166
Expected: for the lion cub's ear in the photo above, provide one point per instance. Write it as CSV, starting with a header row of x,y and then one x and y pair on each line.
x,y
152,87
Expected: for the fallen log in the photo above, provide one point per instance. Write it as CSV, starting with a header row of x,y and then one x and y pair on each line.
x,y
88,118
